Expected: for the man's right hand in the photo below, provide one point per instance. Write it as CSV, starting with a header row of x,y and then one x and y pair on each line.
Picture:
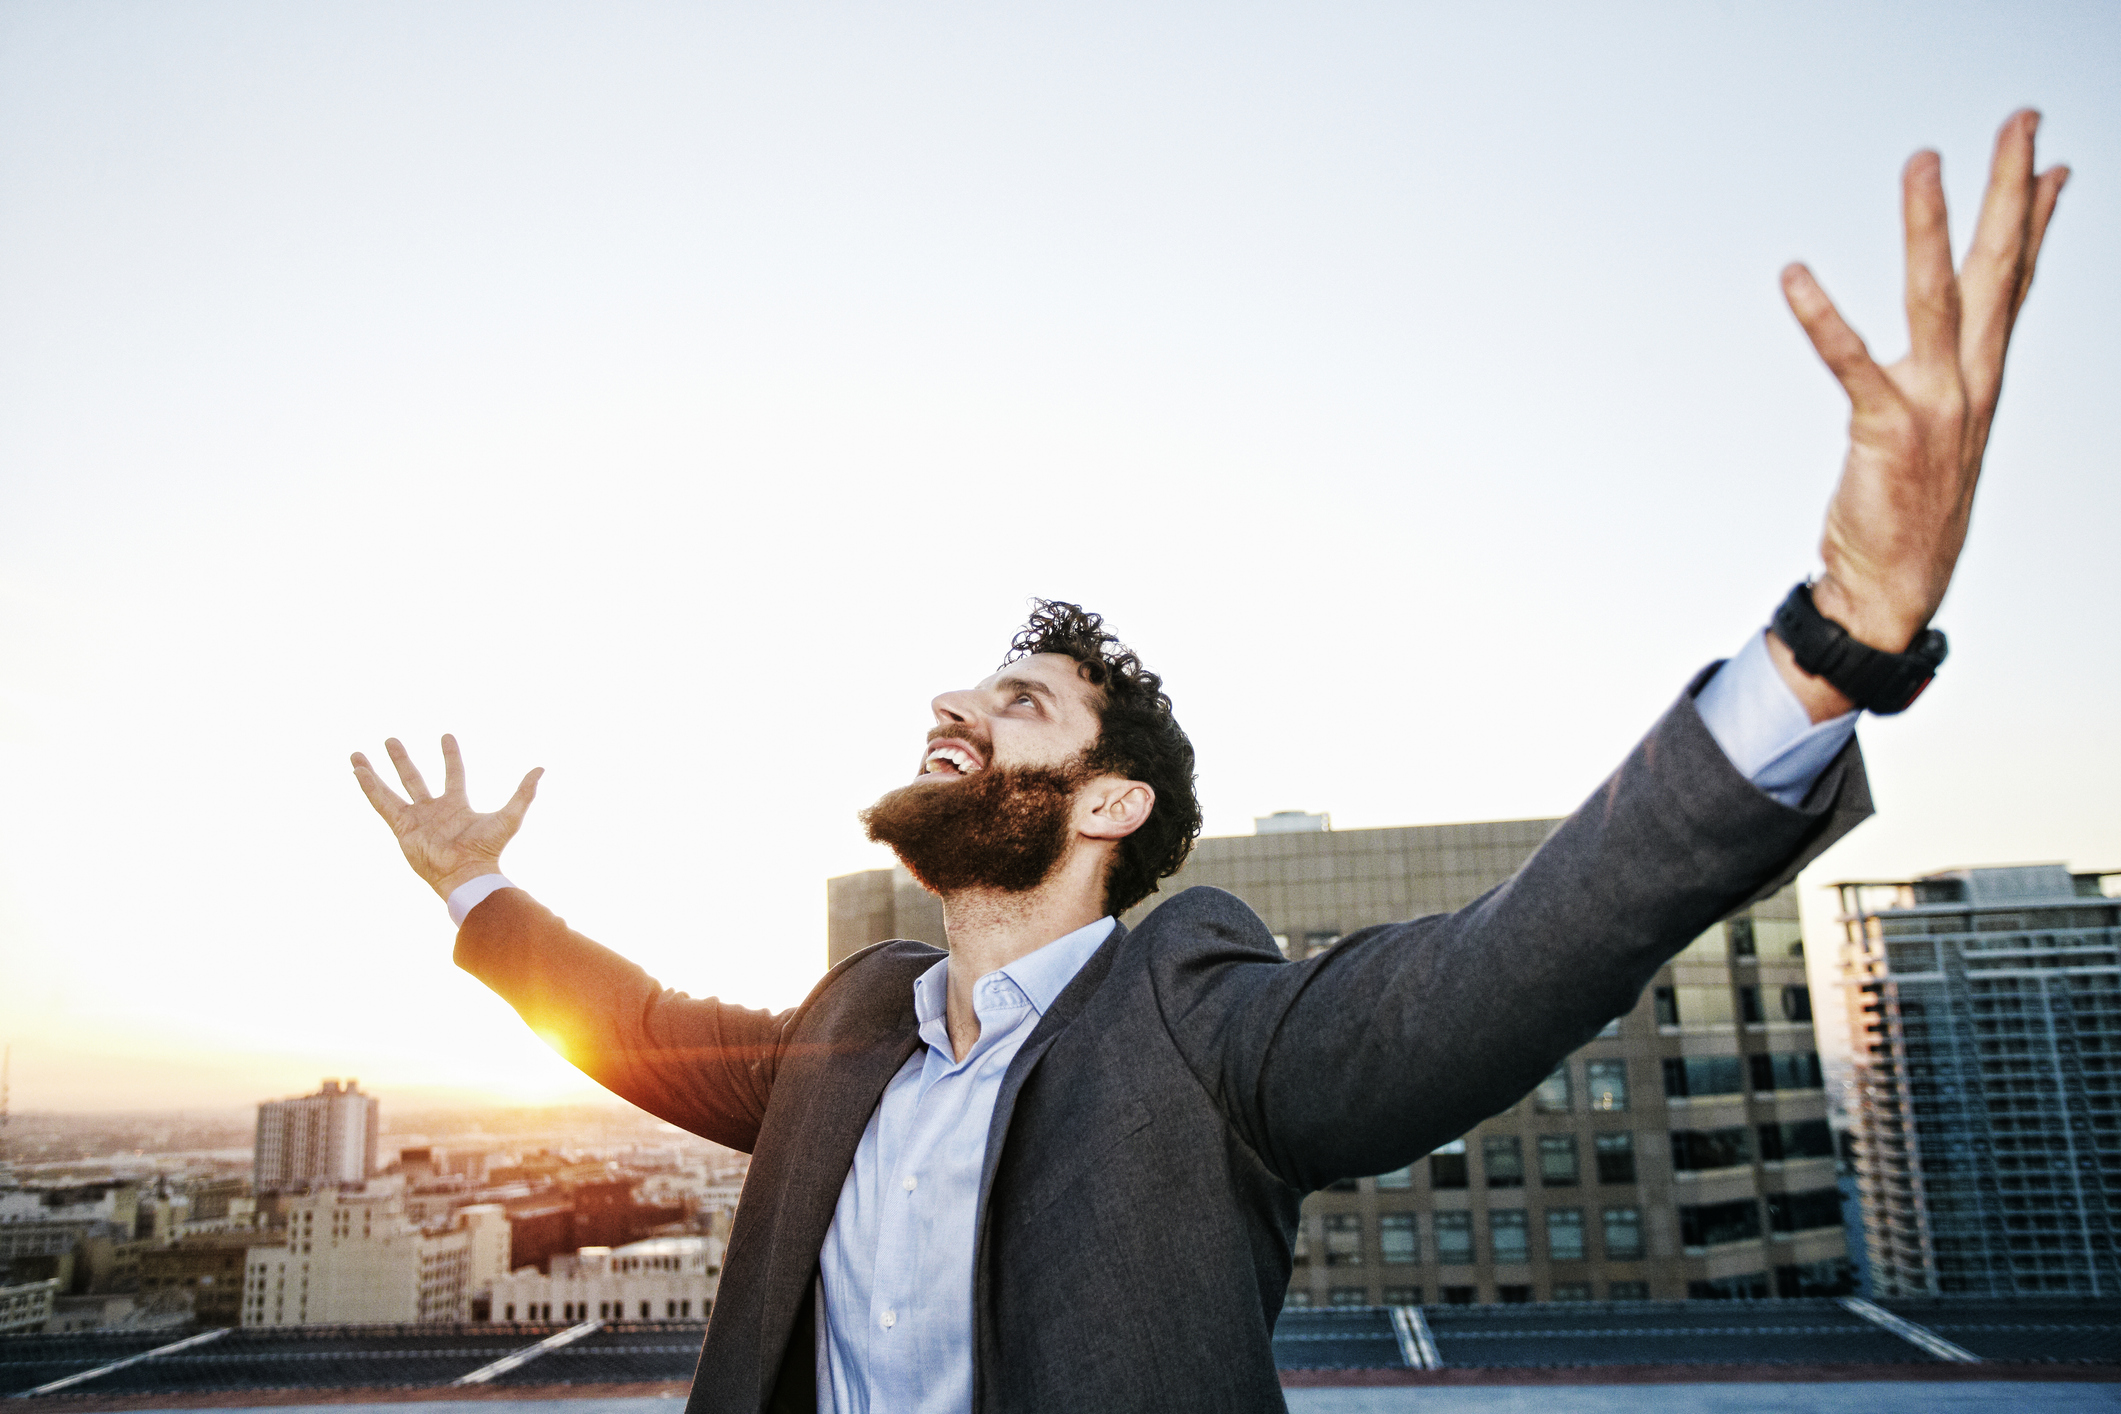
x,y
444,839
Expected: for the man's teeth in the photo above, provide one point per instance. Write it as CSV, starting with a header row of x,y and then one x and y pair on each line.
x,y
952,756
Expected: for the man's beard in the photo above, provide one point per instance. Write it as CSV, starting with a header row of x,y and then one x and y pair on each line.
x,y
1003,828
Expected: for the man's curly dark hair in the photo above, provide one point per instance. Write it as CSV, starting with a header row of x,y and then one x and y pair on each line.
x,y
1137,738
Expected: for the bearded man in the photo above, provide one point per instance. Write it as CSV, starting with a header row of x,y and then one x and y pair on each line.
x,y
1059,1166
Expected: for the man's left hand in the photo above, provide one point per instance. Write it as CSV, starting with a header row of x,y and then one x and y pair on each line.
x,y
1918,427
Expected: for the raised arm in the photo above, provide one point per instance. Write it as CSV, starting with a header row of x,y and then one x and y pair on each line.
x,y
701,1064
1405,1036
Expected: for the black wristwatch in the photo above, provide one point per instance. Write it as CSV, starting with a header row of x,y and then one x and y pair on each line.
x,y
1878,682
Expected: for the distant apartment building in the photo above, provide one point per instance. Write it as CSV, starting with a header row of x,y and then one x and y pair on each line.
x,y
345,1258
209,1270
26,1307
328,1137
657,1279
1984,1010
1683,1152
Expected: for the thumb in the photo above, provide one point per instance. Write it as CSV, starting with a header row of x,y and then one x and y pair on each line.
x,y
519,803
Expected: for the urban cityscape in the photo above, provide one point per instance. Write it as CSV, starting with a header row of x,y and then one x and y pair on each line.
x,y
1699,1150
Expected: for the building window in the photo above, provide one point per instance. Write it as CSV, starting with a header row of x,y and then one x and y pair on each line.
x,y
1402,1296
1565,1235
1796,1006
1343,1239
1460,1295
1834,1277
1397,1239
1806,1139
1616,1157
1741,931
508,1312
1552,1096
1502,1160
1344,1185
1666,1003
1698,1150
1300,1253
1623,1235
1785,1070
1711,1224
1572,1291
1749,1006
1454,1238
1607,1082
1627,1291
1316,943
1397,1178
647,1311
1557,1160
1347,1296
1297,1300
1507,1236
1514,1295
1690,1076
1447,1165
1751,1286
1803,1212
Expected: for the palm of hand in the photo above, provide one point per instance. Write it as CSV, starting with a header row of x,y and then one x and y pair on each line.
x,y
444,839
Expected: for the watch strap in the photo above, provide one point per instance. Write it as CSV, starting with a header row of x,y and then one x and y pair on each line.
x,y
1876,681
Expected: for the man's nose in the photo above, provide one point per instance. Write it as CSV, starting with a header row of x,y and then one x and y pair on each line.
x,y
954,708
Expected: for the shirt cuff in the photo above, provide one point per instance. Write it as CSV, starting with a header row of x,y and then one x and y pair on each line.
x,y
470,894
1764,729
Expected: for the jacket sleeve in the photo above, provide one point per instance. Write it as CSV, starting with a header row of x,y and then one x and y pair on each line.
x,y
1401,1037
703,1065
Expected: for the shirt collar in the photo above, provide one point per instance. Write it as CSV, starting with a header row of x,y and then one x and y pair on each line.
x,y
1042,975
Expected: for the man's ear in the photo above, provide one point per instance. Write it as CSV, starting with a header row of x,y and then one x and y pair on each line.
x,y
1110,808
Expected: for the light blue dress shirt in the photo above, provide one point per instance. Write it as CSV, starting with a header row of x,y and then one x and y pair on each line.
x,y
896,1269
895,1273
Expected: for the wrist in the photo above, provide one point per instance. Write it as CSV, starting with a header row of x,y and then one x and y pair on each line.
x,y
1869,618
1821,700
449,883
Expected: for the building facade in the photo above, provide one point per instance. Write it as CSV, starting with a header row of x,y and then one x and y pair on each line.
x,y
1984,1011
344,1258
658,1279
328,1137
1683,1152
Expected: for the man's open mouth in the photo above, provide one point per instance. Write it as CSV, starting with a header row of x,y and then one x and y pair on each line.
x,y
950,758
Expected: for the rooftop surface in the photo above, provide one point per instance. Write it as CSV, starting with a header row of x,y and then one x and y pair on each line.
x,y
1348,1361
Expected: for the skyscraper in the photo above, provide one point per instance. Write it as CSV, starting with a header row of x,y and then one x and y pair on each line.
x,y
1683,1152
1984,1010
328,1137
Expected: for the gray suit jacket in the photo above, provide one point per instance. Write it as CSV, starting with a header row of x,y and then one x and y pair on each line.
x,y
1158,1129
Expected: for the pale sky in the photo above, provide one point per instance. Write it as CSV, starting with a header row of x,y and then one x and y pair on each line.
x,y
678,396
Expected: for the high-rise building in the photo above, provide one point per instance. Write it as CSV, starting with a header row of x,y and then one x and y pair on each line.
x,y
1683,1152
1984,1010
325,1138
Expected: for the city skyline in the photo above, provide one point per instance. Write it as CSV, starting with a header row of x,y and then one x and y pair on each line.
x,y
660,336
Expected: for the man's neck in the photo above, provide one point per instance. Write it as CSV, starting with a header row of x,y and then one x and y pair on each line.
x,y
990,930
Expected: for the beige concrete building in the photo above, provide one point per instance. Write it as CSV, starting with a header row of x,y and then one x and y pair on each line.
x,y
26,1307
347,1258
659,1279
1684,1152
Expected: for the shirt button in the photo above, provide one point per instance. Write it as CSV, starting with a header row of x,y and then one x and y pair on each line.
x,y
911,1183
890,1319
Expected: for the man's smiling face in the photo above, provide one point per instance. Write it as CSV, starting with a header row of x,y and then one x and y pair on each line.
x,y
993,803
1036,711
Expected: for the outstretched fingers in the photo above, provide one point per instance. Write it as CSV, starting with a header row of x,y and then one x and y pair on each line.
x,y
415,786
1932,285
452,766
2047,190
1839,346
382,797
